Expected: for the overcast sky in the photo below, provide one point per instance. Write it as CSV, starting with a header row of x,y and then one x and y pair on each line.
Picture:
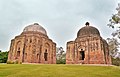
x,y
61,18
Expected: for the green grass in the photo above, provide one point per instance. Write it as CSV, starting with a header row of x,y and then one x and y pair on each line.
x,y
38,70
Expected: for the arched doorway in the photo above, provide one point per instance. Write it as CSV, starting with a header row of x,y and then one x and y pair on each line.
x,y
18,54
82,55
47,52
46,55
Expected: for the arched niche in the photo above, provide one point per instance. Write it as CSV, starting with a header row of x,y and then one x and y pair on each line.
x,y
47,51
18,49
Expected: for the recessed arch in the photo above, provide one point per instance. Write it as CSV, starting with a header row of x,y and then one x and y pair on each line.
x,y
18,49
46,55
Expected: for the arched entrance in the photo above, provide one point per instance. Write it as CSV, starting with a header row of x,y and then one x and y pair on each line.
x,y
46,55
46,52
82,55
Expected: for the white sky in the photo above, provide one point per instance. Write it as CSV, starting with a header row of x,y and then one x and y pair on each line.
x,y
61,18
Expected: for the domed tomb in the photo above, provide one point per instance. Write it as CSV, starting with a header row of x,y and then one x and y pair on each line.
x,y
88,48
32,46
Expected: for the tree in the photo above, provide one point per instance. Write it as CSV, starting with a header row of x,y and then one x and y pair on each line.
x,y
113,47
115,18
114,50
61,56
113,42
3,57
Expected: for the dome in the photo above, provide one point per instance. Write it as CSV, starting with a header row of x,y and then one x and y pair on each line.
x,y
88,30
35,28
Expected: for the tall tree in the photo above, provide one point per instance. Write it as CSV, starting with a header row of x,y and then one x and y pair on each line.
x,y
61,56
114,42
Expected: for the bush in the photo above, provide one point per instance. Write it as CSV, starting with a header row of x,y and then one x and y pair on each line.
x,y
20,63
10,62
116,61
16,62
61,61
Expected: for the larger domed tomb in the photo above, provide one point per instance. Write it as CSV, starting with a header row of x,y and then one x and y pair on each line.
x,y
33,46
87,31
35,28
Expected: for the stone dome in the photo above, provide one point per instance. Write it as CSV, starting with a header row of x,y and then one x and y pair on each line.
x,y
35,28
88,30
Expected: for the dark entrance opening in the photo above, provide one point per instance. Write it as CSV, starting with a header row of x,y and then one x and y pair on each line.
x,y
82,55
45,55
18,53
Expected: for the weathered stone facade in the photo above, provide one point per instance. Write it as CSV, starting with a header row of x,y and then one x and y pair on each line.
x,y
33,46
88,48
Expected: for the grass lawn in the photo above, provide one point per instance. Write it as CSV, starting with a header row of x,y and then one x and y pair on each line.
x,y
38,70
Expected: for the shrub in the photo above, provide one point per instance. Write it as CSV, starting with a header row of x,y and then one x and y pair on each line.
x,y
10,62
61,61
16,62
116,61
20,63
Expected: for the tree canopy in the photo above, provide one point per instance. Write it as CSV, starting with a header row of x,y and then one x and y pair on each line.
x,y
115,19
3,57
61,56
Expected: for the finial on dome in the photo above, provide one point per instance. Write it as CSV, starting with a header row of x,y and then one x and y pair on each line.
x,y
87,23
36,24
